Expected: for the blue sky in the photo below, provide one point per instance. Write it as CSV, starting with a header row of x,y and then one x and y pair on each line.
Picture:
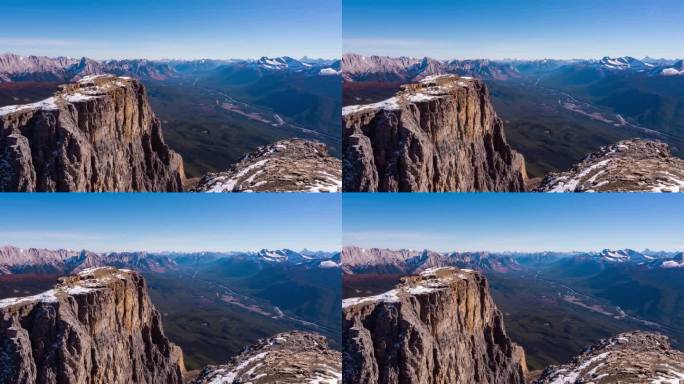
x,y
514,222
171,28
514,29
173,222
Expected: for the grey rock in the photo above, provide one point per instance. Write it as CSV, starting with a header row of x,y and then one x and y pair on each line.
x,y
99,134
627,166
293,165
439,135
288,358
96,327
441,326
629,358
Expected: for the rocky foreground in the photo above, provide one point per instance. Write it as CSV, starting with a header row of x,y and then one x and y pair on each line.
x,y
292,357
629,358
441,326
293,165
98,134
95,327
627,166
441,134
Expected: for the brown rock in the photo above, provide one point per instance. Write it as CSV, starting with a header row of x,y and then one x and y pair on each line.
x,y
288,358
99,134
96,327
441,326
441,134
293,165
628,358
627,166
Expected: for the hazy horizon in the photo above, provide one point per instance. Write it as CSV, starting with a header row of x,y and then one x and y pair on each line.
x,y
516,58
171,222
500,222
172,29
527,29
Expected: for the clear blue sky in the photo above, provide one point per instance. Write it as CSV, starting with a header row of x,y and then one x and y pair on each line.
x,y
171,28
514,222
514,29
173,222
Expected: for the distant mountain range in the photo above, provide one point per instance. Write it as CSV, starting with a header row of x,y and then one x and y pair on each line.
x,y
375,260
14,260
15,68
404,69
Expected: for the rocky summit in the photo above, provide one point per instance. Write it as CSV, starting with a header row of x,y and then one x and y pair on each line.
x,y
629,358
293,357
293,165
98,327
441,134
98,134
628,166
441,326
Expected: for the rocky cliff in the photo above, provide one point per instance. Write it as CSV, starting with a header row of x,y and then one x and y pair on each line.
x,y
293,165
96,327
441,134
99,134
293,357
628,166
441,326
629,358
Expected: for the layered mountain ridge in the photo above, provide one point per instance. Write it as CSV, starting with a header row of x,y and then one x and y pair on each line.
x,y
96,327
17,68
99,134
441,134
14,260
437,327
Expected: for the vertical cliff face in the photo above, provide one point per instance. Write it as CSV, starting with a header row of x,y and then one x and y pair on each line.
x,y
96,327
99,134
292,357
441,326
441,134
629,358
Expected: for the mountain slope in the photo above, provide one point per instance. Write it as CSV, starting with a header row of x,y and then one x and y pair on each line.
x,y
287,165
628,166
292,357
633,357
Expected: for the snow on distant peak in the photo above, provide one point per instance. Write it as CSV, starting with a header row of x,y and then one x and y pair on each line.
x,y
328,72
